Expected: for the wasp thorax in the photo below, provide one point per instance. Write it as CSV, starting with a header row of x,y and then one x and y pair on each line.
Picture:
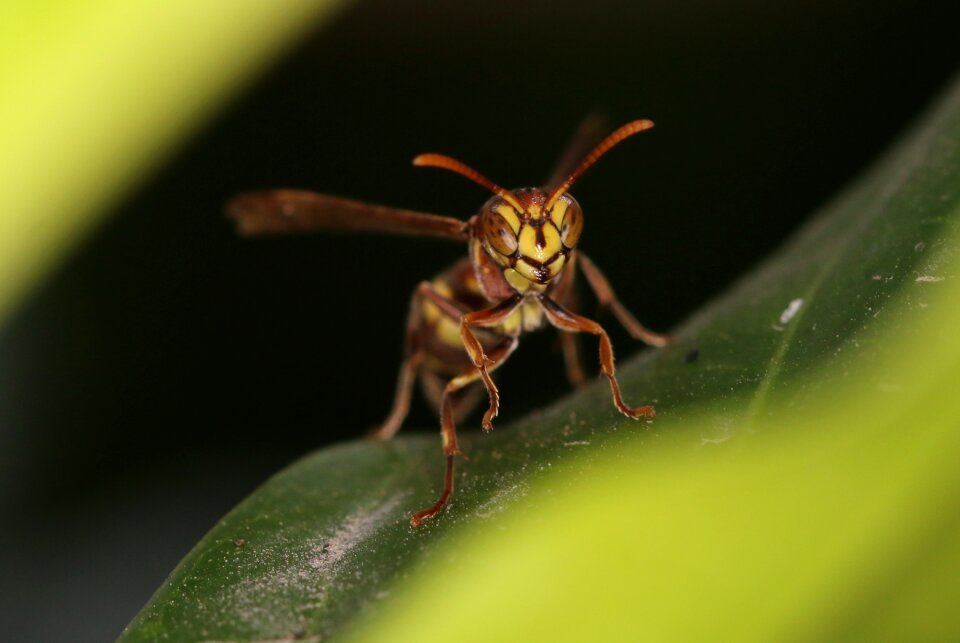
x,y
530,242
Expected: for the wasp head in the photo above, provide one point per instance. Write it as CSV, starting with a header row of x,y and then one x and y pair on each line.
x,y
522,235
529,232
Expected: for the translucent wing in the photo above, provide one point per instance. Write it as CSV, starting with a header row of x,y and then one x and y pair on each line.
x,y
590,132
293,211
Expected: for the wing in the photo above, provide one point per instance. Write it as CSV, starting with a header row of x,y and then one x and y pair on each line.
x,y
293,211
590,132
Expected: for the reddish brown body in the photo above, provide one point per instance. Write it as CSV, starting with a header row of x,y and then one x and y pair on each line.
x,y
466,322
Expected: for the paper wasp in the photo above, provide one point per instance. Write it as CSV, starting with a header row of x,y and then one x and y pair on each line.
x,y
467,322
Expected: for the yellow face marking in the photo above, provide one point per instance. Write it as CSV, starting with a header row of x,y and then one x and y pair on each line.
x,y
526,271
510,216
556,214
538,287
520,283
528,242
534,211
517,281
556,265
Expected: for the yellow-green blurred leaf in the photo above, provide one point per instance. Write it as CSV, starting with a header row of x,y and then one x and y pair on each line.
x,y
93,93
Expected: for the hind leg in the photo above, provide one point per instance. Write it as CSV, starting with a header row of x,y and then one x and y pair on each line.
x,y
413,356
608,299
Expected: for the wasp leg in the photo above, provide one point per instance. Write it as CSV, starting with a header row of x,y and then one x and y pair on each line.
x,y
448,427
568,321
608,299
446,305
413,356
571,360
441,502
492,316
569,342
497,356
401,400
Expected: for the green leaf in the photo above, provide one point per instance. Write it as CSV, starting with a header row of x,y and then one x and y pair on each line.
x,y
799,481
97,92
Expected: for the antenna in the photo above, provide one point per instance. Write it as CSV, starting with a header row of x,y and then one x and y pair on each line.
x,y
631,128
452,164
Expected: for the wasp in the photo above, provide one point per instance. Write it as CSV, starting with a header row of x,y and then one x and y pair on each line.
x,y
517,277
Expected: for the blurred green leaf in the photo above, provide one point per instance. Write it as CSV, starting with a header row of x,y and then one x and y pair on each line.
x,y
94,93
799,481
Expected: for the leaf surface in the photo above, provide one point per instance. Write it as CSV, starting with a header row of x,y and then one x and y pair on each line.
x,y
799,480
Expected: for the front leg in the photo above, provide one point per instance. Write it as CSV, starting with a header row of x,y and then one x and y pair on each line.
x,y
571,322
448,429
493,316
608,299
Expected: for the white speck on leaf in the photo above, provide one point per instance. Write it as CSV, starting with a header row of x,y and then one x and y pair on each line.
x,y
789,313
720,440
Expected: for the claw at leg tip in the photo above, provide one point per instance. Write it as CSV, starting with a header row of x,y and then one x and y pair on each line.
x,y
646,412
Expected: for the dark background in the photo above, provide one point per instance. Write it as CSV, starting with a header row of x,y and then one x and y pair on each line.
x,y
168,368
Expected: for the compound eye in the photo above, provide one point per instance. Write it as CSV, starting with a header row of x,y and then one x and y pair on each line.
x,y
571,226
499,234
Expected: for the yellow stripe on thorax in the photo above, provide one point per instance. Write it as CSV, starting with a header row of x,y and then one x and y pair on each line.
x,y
447,330
430,311
528,316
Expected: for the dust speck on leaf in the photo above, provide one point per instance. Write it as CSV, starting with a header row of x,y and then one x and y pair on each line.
x,y
355,528
305,566
789,313
506,495
888,387
719,440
